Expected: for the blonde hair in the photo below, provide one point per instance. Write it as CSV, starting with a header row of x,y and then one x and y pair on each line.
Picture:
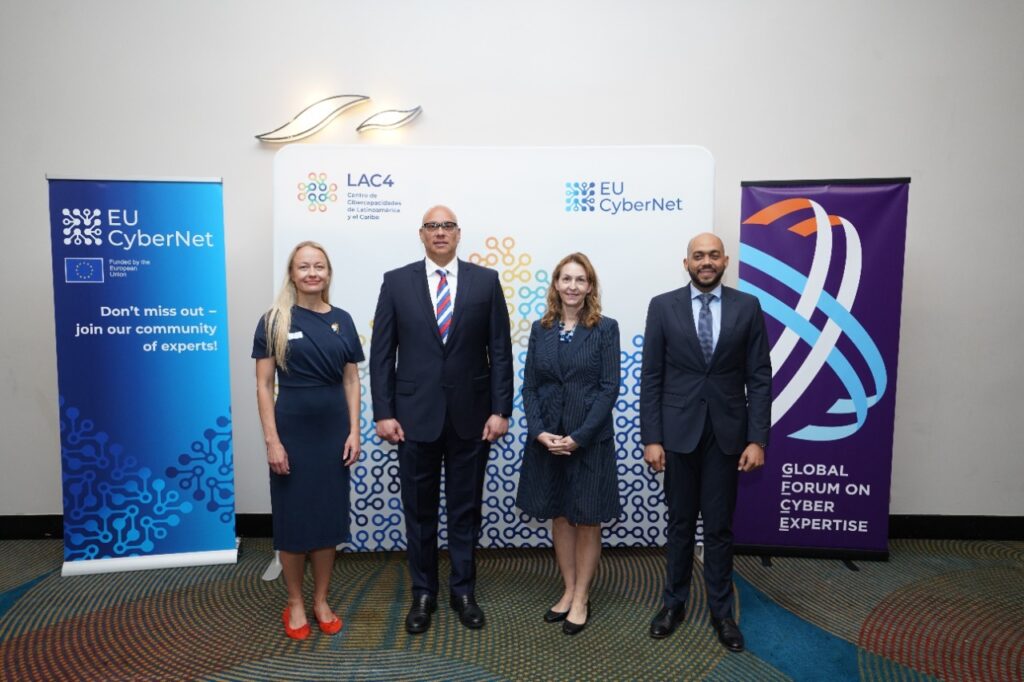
x,y
278,320
590,313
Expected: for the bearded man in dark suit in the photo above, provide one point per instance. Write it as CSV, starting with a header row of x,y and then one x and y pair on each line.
x,y
705,413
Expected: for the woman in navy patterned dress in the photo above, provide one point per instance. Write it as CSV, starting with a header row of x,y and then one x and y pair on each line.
x,y
311,430
569,474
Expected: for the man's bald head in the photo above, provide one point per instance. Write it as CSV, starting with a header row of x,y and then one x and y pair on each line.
x,y
706,261
440,233
439,214
705,241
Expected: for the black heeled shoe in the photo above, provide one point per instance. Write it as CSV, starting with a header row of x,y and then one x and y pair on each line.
x,y
571,628
553,616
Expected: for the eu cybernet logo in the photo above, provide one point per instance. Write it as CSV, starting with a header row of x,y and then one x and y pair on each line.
x,y
800,321
81,226
609,196
579,196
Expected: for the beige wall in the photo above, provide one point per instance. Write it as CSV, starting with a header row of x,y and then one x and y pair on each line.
x,y
929,89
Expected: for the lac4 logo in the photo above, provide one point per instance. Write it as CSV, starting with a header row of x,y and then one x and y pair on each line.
x,y
316,191
609,196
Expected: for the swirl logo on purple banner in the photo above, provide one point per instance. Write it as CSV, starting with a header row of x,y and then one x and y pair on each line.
x,y
821,317
377,522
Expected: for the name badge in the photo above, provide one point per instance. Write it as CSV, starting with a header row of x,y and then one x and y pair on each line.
x,y
294,335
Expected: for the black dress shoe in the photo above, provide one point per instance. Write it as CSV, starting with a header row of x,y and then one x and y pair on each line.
x,y
418,618
571,628
469,613
728,634
553,616
664,624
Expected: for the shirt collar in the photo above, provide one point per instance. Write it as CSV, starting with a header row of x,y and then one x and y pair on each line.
x,y
452,268
717,291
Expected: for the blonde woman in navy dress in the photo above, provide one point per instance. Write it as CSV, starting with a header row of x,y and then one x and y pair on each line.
x,y
569,389
311,431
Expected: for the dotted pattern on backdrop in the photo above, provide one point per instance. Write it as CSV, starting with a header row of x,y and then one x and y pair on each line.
x,y
119,508
377,521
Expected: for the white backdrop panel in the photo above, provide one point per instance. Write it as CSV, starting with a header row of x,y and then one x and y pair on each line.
x,y
630,209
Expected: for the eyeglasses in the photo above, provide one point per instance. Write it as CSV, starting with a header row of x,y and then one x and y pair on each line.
x,y
446,226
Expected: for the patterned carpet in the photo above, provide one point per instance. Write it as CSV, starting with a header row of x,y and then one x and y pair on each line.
x,y
949,610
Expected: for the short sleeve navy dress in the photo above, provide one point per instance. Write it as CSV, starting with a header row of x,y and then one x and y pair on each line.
x,y
310,506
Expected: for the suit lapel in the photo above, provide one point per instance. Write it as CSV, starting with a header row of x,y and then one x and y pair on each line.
x,y
466,281
579,336
684,310
549,348
418,275
730,313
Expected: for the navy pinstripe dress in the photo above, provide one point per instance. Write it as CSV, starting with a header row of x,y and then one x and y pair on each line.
x,y
569,389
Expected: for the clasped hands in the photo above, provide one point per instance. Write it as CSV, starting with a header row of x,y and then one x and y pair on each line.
x,y
557,445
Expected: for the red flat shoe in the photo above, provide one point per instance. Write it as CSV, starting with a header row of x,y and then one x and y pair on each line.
x,y
331,628
301,632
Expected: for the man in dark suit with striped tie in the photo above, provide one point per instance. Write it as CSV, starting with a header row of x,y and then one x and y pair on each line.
x,y
441,380
705,412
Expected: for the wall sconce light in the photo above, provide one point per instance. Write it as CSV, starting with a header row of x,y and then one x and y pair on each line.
x,y
314,118
389,118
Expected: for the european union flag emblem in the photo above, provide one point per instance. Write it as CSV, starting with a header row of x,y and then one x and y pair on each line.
x,y
83,270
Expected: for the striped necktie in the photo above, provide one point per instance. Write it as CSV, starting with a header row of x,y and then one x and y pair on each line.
x,y
444,306
705,332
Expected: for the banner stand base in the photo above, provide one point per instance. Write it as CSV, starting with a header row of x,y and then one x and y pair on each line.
x,y
813,552
145,563
273,568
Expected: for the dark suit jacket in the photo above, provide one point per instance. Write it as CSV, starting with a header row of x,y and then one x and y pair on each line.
x,y
678,389
416,378
578,394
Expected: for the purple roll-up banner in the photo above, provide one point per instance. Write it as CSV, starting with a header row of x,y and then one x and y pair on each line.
x,y
825,258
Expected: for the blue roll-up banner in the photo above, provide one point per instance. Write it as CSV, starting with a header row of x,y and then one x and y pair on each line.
x,y
140,303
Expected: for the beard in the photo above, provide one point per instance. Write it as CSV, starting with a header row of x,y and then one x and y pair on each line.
x,y
702,284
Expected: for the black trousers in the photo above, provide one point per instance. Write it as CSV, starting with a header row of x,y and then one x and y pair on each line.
x,y
419,467
702,481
